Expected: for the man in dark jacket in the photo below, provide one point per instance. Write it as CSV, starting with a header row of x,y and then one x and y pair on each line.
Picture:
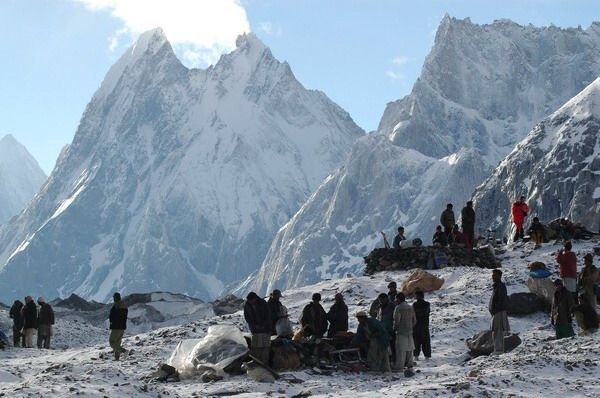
x,y
30,316
258,317
497,307
447,220
421,331
439,237
467,219
562,303
392,291
274,309
399,238
386,317
118,325
337,316
18,321
45,322
314,315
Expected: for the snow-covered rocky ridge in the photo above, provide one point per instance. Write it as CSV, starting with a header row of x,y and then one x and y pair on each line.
x,y
20,177
177,179
482,88
459,309
556,167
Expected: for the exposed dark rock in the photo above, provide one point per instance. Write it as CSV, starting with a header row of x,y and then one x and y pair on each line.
x,y
482,343
227,305
520,304
74,302
425,257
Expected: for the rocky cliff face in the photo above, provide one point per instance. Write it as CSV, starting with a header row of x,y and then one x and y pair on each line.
x,y
20,178
177,179
556,167
481,89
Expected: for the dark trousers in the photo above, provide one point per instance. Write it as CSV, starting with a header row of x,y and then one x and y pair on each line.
x,y
393,347
18,336
43,341
448,232
422,341
469,231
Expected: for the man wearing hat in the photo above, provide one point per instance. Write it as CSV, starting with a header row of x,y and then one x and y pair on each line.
x,y
314,315
45,322
562,303
275,307
589,279
372,337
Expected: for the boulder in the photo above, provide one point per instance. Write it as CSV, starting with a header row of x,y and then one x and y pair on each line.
x,y
482,343
543,288
285,357
520,304
227,305
421,280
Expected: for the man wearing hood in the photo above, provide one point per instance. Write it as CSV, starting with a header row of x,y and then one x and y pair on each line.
x,y
18,321
45,322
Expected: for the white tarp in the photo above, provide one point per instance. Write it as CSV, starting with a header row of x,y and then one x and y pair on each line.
x,y
222,345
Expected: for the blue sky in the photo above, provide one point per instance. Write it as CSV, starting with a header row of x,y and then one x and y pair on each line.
x,y
361,53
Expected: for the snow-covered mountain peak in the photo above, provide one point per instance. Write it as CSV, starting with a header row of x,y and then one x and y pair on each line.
x,y
585,104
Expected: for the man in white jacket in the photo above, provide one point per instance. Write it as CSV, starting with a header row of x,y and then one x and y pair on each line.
x,y
404,322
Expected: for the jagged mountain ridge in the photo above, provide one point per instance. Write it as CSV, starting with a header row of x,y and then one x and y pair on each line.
x,y
20,177
556,167
459,126
176,179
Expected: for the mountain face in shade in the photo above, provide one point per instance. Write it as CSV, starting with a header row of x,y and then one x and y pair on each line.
x,y
481,89
556,167
20,177
177,179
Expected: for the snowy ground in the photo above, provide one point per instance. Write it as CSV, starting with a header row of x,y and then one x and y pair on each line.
x,y
81,363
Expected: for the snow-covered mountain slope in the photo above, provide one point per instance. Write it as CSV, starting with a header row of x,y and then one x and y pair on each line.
x,y
176,179
481,89
20,177
485,86
556,167
540,366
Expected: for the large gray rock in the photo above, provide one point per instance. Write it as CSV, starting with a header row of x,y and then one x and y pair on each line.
x,y
520,304
543,288
483,344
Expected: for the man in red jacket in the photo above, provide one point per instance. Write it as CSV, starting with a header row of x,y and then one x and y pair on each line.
x,y
567,262
519,212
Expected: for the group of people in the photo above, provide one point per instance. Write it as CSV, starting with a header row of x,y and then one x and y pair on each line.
x,y
27,319
390,335
451,232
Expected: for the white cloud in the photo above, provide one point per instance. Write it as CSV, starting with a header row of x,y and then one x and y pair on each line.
x,y
400,60
394,75
270,28
202,27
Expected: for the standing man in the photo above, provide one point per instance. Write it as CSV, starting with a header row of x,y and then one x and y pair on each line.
x,y
467,219
562,303
45,322
404,323
421,334
386,317
372,337
118,325
399,238
447,220
274,309
258,317
30,316
337,316
498,305
392,291
314,315
17,317
520,210
567,262
589,278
